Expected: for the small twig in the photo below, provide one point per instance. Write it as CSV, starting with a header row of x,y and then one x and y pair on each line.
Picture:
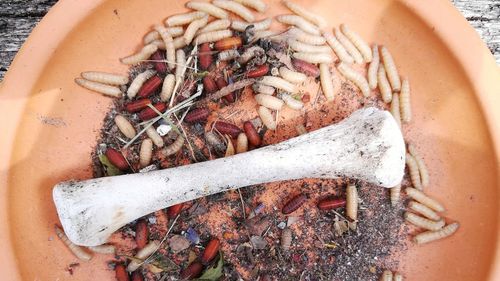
x,y
242,205
188,62
167,61
186,136
161,242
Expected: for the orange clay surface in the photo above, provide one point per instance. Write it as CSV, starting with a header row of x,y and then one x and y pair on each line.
x,y
50,125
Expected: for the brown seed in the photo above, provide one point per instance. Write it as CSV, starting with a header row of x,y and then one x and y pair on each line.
x,y
227,128
121,273
149,113
192,271
258,71
141,234
197,115
286,239
159,58
137,105
150,87
329,204
228,43
308,69
205,56
252,135
211,251
174,210
221,83
117,159
209,84
306,98
294,204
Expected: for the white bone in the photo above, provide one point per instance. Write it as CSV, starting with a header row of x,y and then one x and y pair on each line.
x,y
368,146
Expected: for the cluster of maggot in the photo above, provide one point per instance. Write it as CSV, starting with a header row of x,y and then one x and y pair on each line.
x,y
209,55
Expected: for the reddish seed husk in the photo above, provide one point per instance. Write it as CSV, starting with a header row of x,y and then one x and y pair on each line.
x,y
294,204
137,105
221,83
252,135
141,234
117,159
160,65
227,129
197,115
192,271
174,210
121,273
228,43
258,71
149,113
137,276
329,204
308,69
150,87
205,56
209,84
211,251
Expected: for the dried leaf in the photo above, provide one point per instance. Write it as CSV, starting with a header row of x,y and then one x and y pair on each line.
x,y
192,257
178,243
109,168
213,273
258,242
292,220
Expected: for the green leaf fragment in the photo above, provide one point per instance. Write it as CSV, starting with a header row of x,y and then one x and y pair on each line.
x,y
110,169
213,273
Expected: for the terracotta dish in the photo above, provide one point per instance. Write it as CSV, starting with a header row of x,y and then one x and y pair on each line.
x,y
49,124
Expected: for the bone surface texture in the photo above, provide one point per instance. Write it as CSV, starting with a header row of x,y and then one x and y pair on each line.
x,y
367,146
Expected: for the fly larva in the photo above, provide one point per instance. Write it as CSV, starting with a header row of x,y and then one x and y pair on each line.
x,y
251,53
192,28
349,47
390,68
304,47
423,222
358,41
105,78
242,143
259,34
268,101
414,172
257,5
383,85
291,102
279,83
103,249
229,147
263,89
373,69
424,199
352,202
158,43
430,236
307,15
155,137
142,254
286,239
386,275
213,36
314,57
267,117
397,277
78,251
174,147
182,19
216,25
395,194
424,210
154,35
300,35
395,109
136,84
169,45
179,42
180,58
124,126
422,168
228,55
337,48
167,88
405,101
301,130
258,25
107,90
299,22
355,77
326,81
235,8
292,76
208,8
146,153
142,55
